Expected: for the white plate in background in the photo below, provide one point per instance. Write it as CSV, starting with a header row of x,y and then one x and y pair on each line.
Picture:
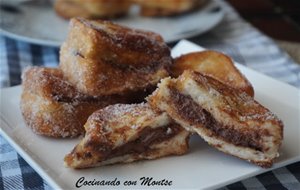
x,y
37,23
202,167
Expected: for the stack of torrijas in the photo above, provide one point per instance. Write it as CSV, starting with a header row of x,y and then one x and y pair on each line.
x,y
102,63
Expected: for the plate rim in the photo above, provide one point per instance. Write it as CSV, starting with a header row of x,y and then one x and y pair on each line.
x,y
30,40
178,37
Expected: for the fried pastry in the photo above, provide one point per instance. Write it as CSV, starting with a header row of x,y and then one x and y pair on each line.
x,y
156,8
103,58
51,106
214,64
125,133
93,9
227,118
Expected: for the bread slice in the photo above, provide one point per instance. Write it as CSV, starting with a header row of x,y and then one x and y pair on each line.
x,y
228,119
213,64
125,133
103,58
51,106
93,9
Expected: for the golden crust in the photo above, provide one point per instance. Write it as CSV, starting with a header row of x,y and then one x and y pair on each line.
x,y
102,58
213,64
51,106
125,133
93,9
227,118
105,9
67,9
156,8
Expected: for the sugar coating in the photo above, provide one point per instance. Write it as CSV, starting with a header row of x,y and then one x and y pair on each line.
x,y
100,57
51,106
122,122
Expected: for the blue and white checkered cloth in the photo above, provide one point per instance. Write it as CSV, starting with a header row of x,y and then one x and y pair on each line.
x,y
233,36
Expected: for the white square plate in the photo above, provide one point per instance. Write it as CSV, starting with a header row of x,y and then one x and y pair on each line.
x,y
202,168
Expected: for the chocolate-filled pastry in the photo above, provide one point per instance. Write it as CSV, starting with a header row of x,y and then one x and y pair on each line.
x,y
227,118
93,9
214,64
103,58
125,133
51,106
156,8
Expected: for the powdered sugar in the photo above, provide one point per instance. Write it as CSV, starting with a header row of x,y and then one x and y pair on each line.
x,y
169,131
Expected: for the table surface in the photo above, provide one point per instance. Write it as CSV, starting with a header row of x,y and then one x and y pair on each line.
x,y
234,36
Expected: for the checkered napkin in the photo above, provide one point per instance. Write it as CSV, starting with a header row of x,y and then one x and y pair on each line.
x,y
233,36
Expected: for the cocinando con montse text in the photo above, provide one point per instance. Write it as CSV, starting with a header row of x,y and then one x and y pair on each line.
x,y
142,181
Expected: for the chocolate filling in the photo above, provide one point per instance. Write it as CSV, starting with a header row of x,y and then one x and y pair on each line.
x,y
129,96
68,99
84,98
194,114
147,137
77,53
144,70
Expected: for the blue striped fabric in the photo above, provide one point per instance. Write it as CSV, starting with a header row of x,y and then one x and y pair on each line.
x,y
233,36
